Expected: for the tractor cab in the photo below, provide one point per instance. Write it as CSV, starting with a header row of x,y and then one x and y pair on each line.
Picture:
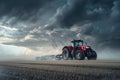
x,y
76,43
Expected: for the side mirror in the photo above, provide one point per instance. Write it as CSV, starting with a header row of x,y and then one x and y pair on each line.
x,y
86,43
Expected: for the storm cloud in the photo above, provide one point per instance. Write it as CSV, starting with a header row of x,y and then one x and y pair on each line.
x,y
37,23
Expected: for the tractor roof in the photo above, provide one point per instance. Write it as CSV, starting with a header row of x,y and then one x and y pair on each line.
x,y
77,40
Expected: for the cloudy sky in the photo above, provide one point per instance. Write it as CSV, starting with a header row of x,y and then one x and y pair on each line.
x,y
42,27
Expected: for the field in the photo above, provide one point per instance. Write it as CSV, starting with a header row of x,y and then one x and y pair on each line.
x,y
60,70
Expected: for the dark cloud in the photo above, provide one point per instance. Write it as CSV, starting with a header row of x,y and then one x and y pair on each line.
x,y
55,22
84,11
21,7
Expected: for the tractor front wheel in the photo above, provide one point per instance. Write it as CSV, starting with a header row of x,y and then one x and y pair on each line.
x,y
79,55
92,56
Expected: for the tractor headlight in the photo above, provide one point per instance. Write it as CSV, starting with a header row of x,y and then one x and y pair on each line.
x,y
87,47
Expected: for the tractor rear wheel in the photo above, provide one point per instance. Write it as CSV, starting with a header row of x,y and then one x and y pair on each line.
x,y
65,54
93,56
79,55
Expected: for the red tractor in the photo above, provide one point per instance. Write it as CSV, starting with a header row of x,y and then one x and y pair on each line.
x,y
78,51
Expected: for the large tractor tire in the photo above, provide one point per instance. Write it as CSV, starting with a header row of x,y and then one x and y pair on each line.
x,y
92,56
66,54
79,55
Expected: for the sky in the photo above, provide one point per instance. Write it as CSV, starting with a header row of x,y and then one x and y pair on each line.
x,y
43,27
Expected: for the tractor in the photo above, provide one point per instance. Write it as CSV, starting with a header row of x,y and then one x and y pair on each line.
x,y
77,51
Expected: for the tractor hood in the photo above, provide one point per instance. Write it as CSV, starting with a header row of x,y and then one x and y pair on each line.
x,y
83,48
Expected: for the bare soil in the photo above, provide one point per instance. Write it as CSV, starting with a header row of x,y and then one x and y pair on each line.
x,y
60,70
